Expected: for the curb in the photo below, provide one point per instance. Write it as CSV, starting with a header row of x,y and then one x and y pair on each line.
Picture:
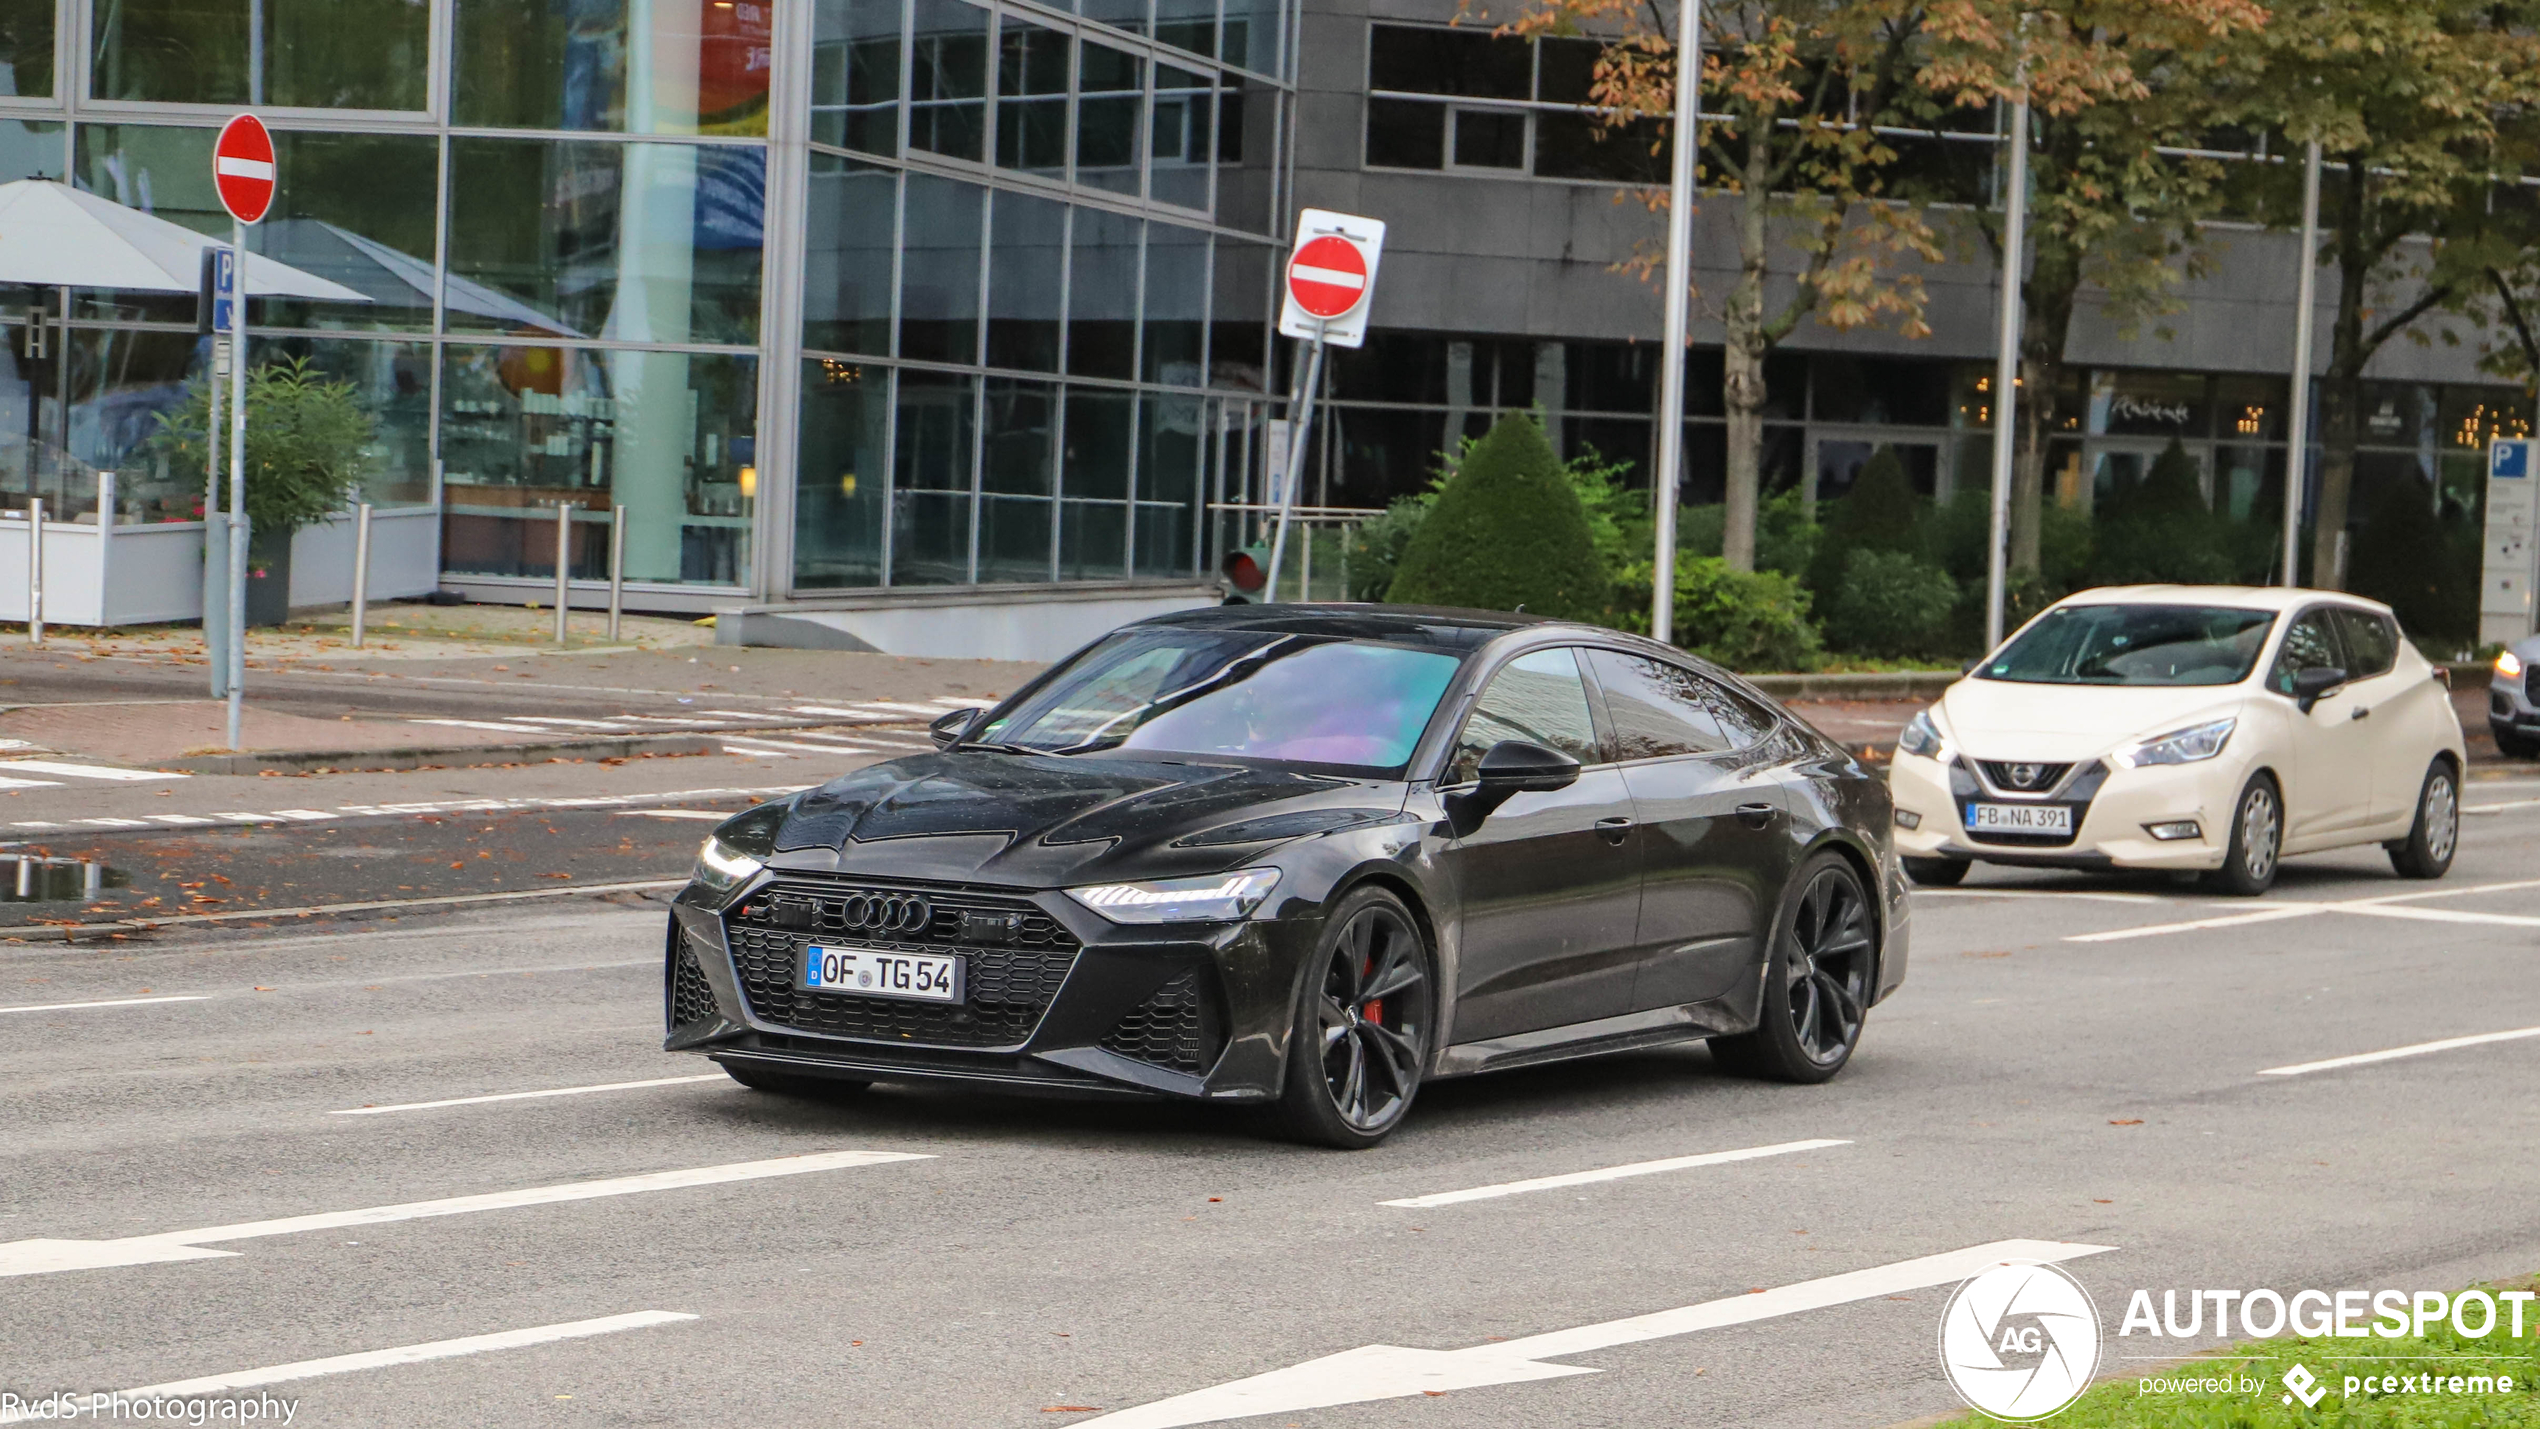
x,y
457,756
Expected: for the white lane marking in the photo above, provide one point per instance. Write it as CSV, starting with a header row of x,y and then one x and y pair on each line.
x,y
2381,906
756,745
2038,893
112,1002
2231,920
175,919
1609,1173
43,1257
742,714
383,1359
672,814
559,719
2439,915
1374,1372
2498,808
2392,1054
30,783
528,1096
484,724
117,823
85,771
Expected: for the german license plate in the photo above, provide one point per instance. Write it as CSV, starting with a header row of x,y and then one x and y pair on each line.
x,y
878,972
2020,818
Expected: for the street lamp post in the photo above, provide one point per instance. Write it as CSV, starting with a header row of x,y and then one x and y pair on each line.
x,y
2006,368
1671,363
2297,437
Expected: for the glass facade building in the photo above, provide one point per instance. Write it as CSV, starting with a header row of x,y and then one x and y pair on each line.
x,y
828,294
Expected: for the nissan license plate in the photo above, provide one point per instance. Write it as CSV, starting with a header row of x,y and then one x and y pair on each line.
x,y
2020,818
879,972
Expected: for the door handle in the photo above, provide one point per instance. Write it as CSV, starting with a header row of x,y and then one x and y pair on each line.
x,y
1613,829
2359,712
1756,815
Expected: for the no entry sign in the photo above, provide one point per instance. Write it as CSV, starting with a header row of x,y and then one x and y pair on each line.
x,y
1331,275
243,168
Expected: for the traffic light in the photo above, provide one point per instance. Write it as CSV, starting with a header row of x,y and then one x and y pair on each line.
x,y
1247,570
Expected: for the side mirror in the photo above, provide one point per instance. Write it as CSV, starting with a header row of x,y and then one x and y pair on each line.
x,y
2316,684
1509,768
945,729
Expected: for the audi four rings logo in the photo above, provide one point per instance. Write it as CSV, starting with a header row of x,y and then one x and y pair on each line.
x,y
888,912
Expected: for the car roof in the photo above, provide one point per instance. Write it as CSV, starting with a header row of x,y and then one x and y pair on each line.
x,y
2246,597
1434,627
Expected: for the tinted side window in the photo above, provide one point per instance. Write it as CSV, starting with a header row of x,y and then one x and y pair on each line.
x,y
1744,720
2307,644
1539,698
2371,642
1657,709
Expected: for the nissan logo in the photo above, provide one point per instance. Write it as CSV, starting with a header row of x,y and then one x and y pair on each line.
x,y
2026,776
886,913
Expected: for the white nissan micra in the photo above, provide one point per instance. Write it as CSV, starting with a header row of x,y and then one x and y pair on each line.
x,y
2206,728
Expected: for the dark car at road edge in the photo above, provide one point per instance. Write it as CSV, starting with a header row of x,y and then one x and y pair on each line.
x,y
1306,858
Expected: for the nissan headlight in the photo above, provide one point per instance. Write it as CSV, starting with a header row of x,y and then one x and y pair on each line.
x,y
2185,746
2508,664
1921,737
722,867
1218,898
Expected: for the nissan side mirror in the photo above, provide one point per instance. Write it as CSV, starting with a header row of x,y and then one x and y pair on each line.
x,y
2315,684
1509,768
947,729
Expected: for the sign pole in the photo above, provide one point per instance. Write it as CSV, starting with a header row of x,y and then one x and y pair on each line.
x,y
2297,436
1303,422
238,488
1671,363
2006,371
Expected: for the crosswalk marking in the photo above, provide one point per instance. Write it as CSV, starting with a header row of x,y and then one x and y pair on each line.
x,y
484,724
781,747
436,806
30,783
84,771
179,819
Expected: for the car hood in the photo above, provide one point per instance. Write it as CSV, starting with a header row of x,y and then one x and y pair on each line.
x,y
2005,719
1048,821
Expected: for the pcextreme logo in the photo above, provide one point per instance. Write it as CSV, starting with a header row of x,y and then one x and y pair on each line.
x,y
2020,1341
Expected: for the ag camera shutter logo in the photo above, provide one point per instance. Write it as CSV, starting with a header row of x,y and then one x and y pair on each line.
x,y
2020,1341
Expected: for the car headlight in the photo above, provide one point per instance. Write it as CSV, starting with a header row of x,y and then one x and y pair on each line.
x,y
722,867
2508,664
1921,737
1218,898
2184,746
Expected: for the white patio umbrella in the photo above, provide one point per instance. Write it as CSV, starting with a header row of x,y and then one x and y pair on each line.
x,y
53,235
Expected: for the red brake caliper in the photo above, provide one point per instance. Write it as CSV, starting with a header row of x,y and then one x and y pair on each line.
x,y
1374,1010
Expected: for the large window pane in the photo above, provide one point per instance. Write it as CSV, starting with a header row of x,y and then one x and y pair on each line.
x,y
948,78
1016,478
1187,24
842,481
30,148
1032,64
159,169
1406,134
855,75
1256,35
393,383
1026,264
118,383
637,242
635,66
1094,524
318,54
1102,295
939,270
847,267
26,48
1129,15
1184,137
1109,115
1177,305
1171,430
671,436
932,496
1238,340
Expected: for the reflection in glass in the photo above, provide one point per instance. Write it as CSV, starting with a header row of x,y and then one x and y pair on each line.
x,y
356,209
1032,64
939,270
1171,427
630,66
393,383
1184,137
855,75
1129,15
1110,104
1187,24
1256,35
1177,305
1102,295
948,78
841,481
847,264
671,436
932,496
118,384
315,54
1026,260
632,242
26,52
1015,478
30,149
1093,529
1238,351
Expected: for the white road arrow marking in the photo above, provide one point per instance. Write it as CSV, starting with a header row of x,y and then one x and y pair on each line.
x,y
1374,1372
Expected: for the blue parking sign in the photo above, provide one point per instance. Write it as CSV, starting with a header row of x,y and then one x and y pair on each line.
x,y
224,290
2509,458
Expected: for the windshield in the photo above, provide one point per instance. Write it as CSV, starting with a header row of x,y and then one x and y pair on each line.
x,y
2134,645
1249,694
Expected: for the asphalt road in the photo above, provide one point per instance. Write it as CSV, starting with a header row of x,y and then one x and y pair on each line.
x,y
1046,1257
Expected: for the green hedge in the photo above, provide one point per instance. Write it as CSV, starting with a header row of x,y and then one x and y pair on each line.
x,y
1746,620
1507,532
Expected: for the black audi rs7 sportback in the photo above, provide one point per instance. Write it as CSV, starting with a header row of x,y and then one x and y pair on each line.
x,y
1306,858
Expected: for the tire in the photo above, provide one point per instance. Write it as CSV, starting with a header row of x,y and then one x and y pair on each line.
x,y
1817,981
2512,745
789,1083
1937,872
1360,1040
2436,834
2257,841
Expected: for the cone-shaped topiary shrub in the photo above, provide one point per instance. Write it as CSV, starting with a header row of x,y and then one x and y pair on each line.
x,y
1506,532
1880,513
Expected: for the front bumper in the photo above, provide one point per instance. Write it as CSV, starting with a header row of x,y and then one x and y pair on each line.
x,y
2513,706
2111,808
1068,1002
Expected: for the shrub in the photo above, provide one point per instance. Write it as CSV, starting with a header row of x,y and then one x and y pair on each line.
x,y
1506,532
1746,620
1785,534
1881,513
2406,558
2160,530
1617,517
305,438
1892,604
1375,547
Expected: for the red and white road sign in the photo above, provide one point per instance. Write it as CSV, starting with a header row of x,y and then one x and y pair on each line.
x,y
243,168
1328,276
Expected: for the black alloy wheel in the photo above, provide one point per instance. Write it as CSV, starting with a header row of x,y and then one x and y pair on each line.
x,y
1361,1039
1818,982
2436,835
